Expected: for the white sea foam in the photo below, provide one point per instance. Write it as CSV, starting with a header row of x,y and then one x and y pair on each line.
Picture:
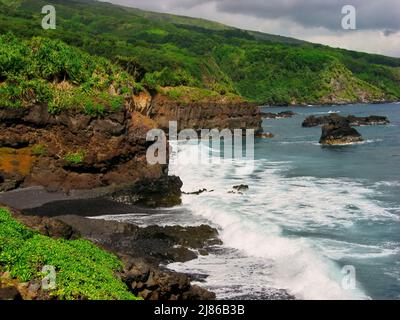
x,y
388,184
337,250
253,222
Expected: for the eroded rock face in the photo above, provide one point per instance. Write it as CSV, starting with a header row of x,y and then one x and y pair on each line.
x,y
71,151
205,114
353,121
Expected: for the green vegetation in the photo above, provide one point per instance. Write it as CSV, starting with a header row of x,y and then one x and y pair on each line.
x,y
190,94
83,270
75,158
41,70
161,50
39,150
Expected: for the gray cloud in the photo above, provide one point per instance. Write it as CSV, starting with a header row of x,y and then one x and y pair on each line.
x,y
371,14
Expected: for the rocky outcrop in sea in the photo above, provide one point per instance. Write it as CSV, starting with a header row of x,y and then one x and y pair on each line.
x,y
353,121
280,115
338,134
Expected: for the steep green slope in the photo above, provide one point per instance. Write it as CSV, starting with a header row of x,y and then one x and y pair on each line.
x,y
167,50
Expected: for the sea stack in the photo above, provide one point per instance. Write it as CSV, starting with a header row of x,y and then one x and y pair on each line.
x,y
339,133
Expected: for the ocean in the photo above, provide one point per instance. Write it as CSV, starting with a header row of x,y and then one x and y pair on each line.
x,y
310,212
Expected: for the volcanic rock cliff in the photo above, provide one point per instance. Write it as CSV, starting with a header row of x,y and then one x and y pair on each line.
x,y
216,112
73,151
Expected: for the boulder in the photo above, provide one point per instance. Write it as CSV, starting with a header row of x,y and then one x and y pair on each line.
x,y
339,133
152,283
241,188
153,193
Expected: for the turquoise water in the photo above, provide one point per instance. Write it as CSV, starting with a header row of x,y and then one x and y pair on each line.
x,y
309,212
367,237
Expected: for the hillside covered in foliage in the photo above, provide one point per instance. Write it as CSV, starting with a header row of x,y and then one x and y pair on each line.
x,y
45,71
159,50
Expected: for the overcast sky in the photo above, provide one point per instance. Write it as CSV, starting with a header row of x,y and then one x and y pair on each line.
x,y
378,21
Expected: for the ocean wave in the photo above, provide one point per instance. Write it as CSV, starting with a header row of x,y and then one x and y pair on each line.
x,y
320,113
253,222
387,184
338,250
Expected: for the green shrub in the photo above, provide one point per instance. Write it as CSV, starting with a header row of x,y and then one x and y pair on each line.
x,y
83,271
50,72
75,158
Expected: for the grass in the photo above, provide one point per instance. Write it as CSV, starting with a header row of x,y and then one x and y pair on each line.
x,y
83,270
196,95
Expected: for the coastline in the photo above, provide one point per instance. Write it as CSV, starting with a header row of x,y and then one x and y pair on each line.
x,y
59,205
328,104
142,250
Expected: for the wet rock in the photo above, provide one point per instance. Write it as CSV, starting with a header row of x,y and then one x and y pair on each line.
x,y
339,133
197,293
197,193
368,121
152,283
241,188
351,120
155,244
153,193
